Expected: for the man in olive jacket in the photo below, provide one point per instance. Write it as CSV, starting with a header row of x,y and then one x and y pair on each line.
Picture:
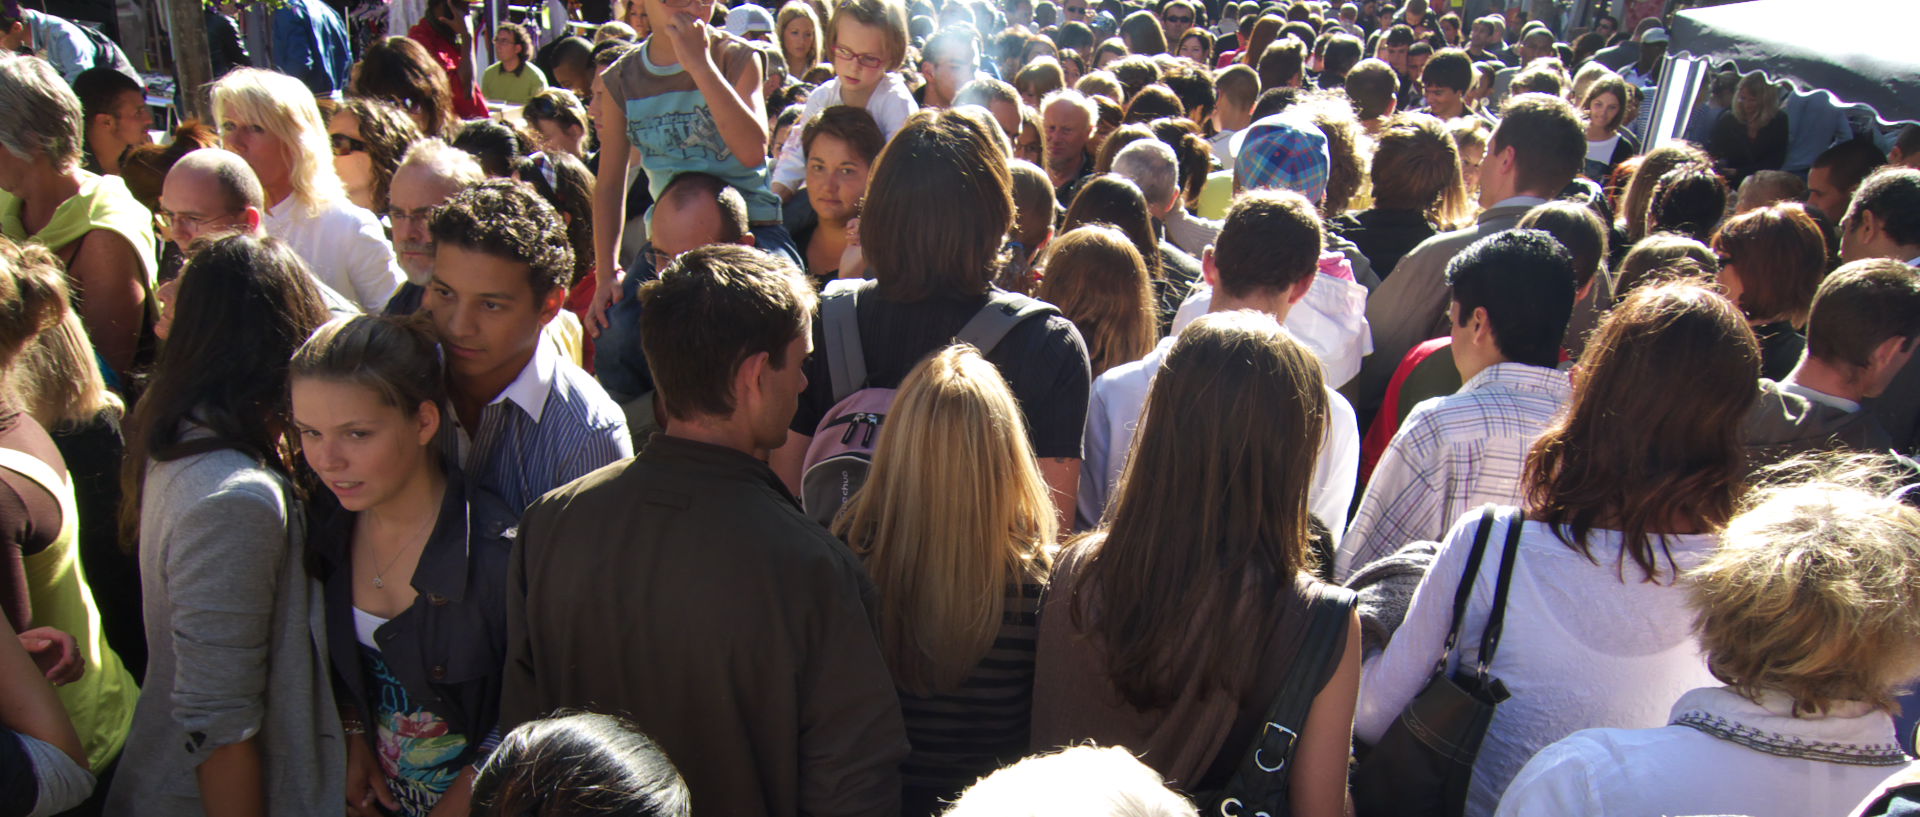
x,y
685,590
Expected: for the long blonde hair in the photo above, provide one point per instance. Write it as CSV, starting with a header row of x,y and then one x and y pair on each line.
x,y
953,512
1099,280
58,379
285,108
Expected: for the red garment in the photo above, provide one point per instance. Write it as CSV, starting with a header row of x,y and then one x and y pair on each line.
x,y
578,299
1387,422
467,104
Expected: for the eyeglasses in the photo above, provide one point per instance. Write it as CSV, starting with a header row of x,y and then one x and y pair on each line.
x,y
657,258
170,220
868,61
344,145
1188,20
1076,11
419,214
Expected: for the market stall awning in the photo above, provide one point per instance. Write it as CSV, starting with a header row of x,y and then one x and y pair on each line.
x,y
1861,52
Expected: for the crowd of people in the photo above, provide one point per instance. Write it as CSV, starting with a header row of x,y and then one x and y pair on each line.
x,y
901,407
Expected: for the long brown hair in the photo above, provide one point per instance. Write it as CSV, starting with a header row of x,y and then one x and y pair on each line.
x,y
1651,444
1265,30
1099,281
387,131
245,304
954,512
399,71
1110,199
1207,535
938,207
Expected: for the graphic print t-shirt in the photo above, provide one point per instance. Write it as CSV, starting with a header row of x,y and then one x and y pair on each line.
x,y
671,125
419,753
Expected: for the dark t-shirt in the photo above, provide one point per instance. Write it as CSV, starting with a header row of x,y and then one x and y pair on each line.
x,y
1043,359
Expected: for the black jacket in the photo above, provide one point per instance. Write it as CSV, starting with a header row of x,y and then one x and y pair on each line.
x,y
1384,235
449,647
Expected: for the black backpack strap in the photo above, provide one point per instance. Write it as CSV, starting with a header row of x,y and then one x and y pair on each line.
x,y
1496,620
840,327
1004,311
1462,595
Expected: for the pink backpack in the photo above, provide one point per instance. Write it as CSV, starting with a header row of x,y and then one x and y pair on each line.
x,y
841,453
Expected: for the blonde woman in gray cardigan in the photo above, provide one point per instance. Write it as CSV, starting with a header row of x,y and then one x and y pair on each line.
x,y
237,715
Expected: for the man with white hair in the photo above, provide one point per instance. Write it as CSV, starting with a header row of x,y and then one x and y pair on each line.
x,y
1068,117
430,173
1152,167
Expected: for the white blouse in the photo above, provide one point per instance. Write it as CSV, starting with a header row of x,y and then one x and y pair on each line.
x,y
1581,648
345,247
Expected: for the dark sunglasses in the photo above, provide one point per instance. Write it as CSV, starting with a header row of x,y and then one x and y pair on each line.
x,y
344,145
1180,19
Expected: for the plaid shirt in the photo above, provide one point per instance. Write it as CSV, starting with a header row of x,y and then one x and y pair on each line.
x,y
1452,455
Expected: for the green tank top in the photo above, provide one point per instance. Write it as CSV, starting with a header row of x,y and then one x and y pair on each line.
x,y
103,203
101,702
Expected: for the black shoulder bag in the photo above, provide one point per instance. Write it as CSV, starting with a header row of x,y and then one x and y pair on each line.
x,y
1260,783
1421,766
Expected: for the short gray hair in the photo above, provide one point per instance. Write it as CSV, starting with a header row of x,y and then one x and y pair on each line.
x,y
43,117
1151,165
445,162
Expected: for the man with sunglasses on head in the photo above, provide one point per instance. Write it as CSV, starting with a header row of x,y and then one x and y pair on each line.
x,y
430,174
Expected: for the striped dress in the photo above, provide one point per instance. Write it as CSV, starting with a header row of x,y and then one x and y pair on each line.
x,y
963,735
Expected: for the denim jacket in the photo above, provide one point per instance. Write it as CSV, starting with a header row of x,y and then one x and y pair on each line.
x,y
449,647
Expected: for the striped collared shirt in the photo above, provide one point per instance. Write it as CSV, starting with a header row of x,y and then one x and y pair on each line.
x,y
552,425
1453,454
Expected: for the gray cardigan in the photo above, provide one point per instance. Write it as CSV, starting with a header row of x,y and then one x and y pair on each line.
x,y
236,632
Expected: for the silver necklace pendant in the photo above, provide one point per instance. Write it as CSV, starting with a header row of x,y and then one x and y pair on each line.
x,y
378,583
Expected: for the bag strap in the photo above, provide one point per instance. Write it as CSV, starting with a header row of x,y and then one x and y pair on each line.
x,y
1496,621
840,325
1465,592
1261,776
1003,311
1326,634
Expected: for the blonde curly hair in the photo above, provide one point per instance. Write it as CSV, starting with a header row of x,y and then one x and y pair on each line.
x,y
1810,593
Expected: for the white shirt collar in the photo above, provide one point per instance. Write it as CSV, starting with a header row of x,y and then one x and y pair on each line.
x,y
1821,397
530,388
